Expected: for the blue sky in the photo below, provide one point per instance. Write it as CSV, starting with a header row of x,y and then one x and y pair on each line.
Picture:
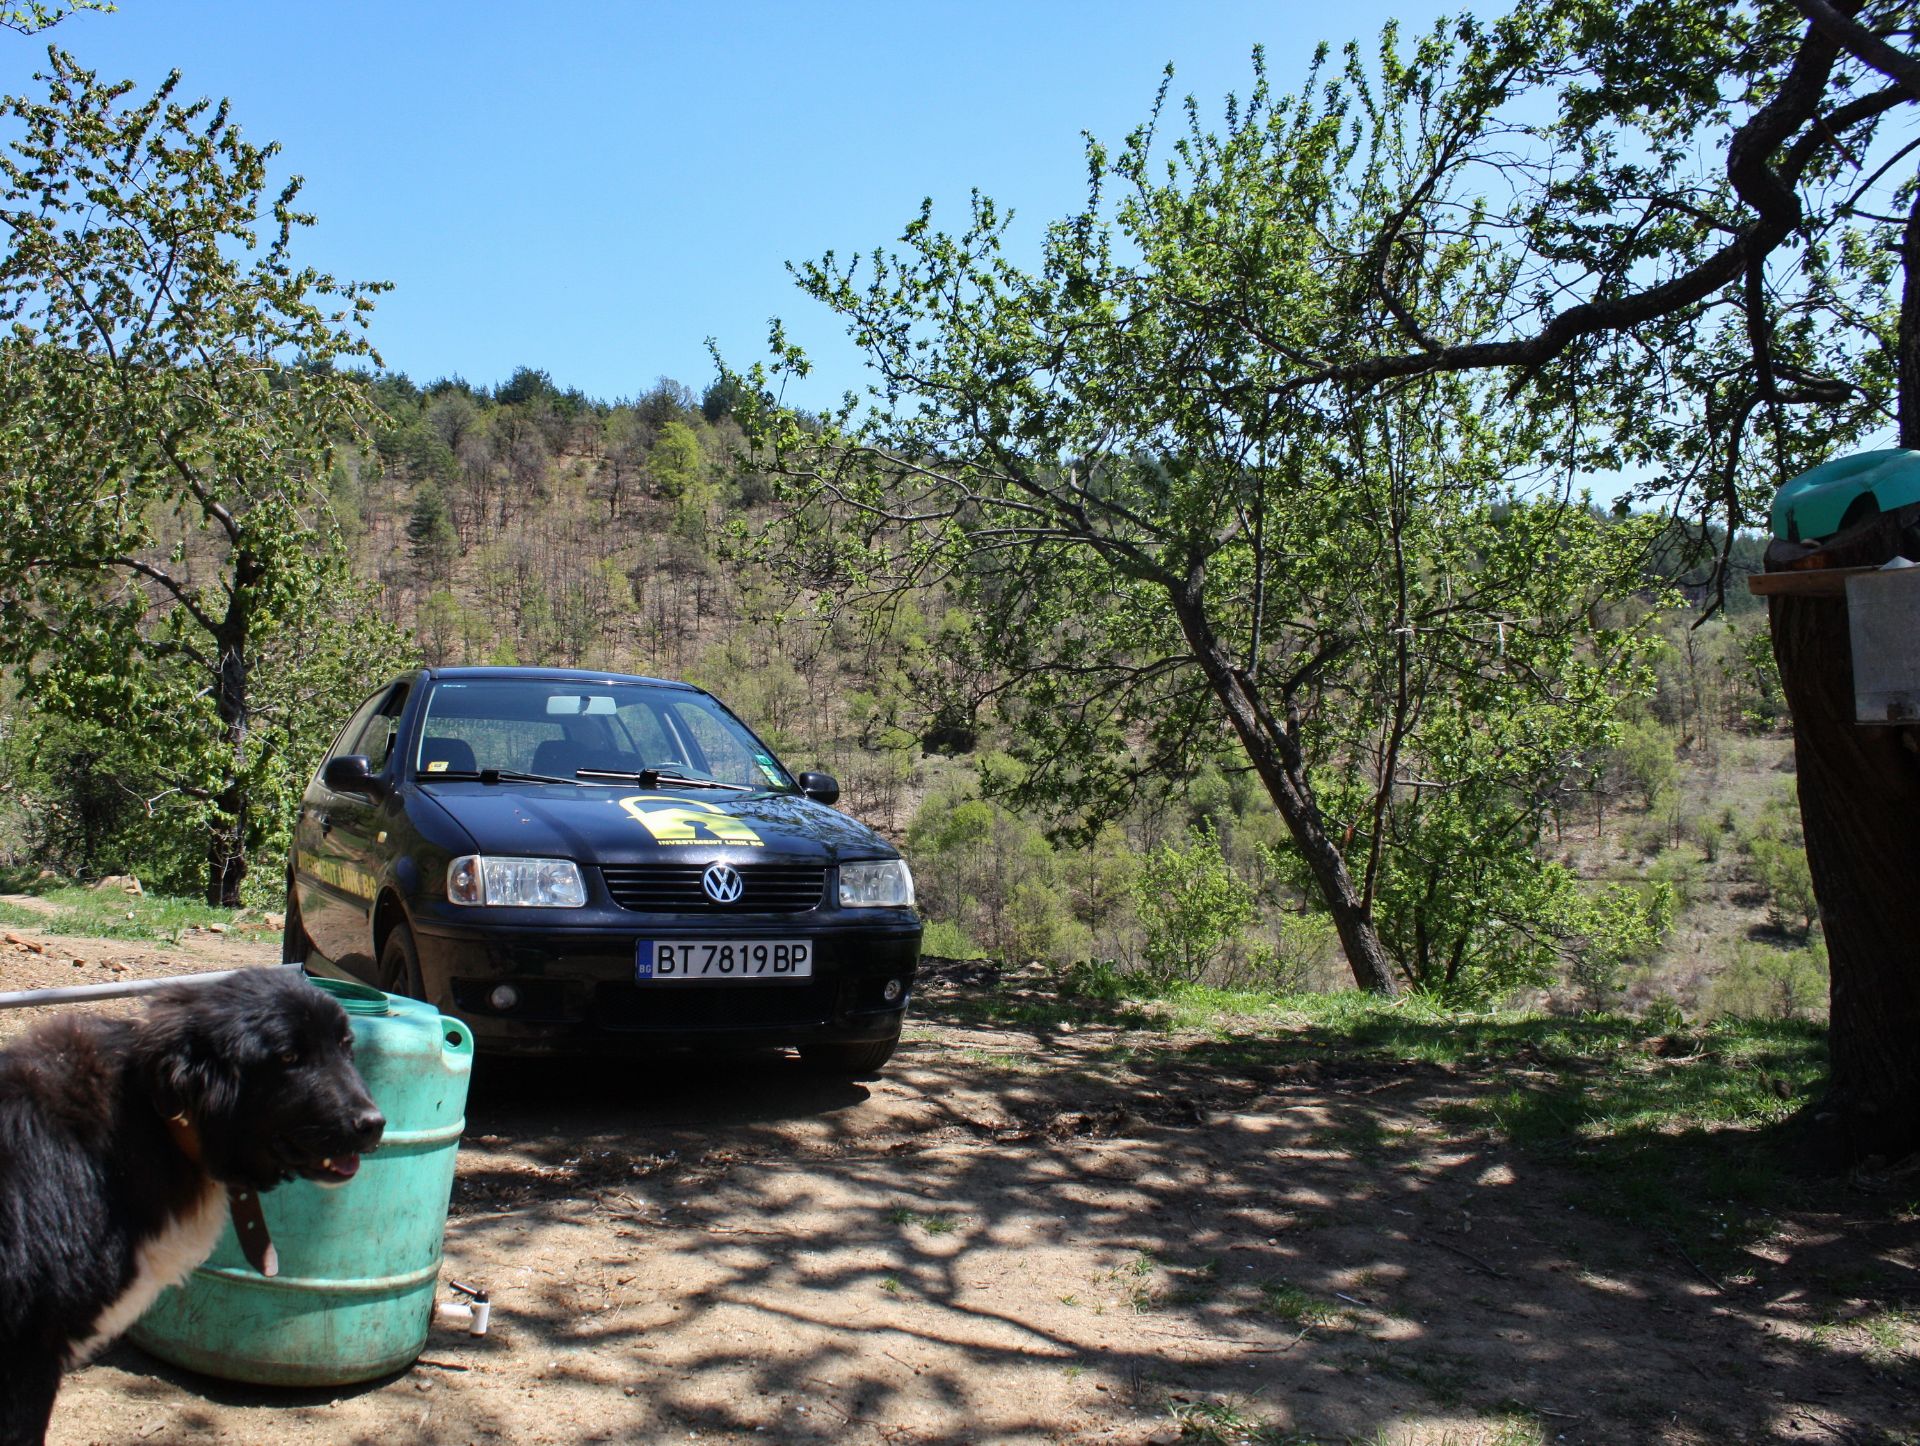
x,y
596,188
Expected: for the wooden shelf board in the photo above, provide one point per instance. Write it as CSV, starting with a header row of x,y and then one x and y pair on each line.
x,y
1811,581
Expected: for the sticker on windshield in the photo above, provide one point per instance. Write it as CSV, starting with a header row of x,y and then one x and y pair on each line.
x,y
685,821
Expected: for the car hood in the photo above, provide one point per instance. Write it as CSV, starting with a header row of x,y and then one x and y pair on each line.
x,y
593,824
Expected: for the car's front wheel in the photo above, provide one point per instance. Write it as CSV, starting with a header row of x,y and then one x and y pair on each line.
x,y
295,946
400,963
850,1061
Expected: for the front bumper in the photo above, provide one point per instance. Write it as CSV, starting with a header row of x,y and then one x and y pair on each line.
x,y
578,995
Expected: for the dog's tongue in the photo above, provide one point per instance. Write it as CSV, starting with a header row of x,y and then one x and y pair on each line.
x,y
342,1167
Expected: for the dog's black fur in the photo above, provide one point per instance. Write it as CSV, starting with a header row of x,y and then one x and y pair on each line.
x,y
98,1190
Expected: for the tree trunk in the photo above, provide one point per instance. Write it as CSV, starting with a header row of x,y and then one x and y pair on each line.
x,y
1906,355
227,832
1277,759
227,840
1859,790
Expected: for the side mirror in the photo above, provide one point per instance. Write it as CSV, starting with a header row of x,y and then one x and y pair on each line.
x,y
351,773
820,787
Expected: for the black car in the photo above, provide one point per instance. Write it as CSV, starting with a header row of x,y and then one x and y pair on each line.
x,y
574,861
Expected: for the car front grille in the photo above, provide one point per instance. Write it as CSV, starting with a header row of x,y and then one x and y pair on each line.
x,y
675,888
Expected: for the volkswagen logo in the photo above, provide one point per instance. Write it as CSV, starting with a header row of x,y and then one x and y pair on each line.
x,y
722,883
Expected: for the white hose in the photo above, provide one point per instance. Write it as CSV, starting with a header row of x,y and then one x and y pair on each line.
x,y
84,993
471,1317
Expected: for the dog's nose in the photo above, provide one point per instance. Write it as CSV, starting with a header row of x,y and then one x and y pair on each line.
x,y
367,1127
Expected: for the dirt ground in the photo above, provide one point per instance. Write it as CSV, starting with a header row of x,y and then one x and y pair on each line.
x,y
1040,1235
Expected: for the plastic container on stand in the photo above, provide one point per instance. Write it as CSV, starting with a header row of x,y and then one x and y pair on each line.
x,y
359,1263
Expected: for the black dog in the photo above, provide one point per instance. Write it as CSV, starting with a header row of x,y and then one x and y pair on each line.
x,y
119,1139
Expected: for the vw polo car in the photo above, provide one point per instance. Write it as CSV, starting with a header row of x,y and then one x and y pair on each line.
x,y
584,862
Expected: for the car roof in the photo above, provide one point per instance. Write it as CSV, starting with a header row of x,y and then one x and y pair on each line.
x,y
557,675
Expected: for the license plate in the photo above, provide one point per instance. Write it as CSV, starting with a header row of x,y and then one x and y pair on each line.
x,y
675,961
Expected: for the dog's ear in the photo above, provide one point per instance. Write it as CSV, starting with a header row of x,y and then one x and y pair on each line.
x,y
190,1071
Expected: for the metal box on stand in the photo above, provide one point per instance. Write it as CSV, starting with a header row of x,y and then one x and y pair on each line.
x,y
1883,620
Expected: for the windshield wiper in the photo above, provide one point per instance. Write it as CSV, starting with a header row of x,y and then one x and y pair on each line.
x,y
493,775
654,777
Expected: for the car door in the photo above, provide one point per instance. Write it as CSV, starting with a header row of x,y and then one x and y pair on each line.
x,y
341,837
312,868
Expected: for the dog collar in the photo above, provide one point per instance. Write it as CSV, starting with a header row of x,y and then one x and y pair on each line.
x,y
250,1224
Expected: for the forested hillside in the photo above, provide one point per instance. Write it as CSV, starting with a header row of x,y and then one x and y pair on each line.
x,y
529,523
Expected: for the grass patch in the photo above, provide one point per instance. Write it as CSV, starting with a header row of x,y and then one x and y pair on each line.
x,y
1671,1130
1295,1306
1519,1429
1029,1010
1888,1333
932,1224
1136,1281
1190,1285
1228,1423
1892,1332
1013,1061
1670,1127
112,914
1355,1133
1670,1133
1446,1381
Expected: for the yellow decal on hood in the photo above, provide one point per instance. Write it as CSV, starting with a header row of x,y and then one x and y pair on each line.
x,y
684,821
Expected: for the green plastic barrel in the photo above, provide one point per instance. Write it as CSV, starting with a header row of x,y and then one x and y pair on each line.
x,y
1824,499
360,1262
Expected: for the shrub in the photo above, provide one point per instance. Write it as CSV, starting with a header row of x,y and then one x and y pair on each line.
x,y
1679,873
946,940
1777,854
1708,833
1765,982
991,874
1613,929
1191,905
1756,677
1645,759
1094,979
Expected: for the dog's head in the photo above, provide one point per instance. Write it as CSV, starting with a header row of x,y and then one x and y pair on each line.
x,y
260,1065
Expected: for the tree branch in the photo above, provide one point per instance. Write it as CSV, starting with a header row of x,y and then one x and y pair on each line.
x,y
1767,189
1862,44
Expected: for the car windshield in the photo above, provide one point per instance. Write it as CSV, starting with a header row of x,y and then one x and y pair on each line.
x,y
560,728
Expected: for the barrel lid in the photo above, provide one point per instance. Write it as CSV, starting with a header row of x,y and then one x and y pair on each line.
x,y
1824,499
355,998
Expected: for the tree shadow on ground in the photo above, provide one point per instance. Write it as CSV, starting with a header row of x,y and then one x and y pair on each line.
x,y
1317,1234
1064,1226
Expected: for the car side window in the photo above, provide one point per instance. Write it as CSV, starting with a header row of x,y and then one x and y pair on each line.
x,y
349,736
377,738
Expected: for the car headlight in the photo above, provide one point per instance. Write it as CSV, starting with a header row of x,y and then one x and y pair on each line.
x,y
516,883
885,884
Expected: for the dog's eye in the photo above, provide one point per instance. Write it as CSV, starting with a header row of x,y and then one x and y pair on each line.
x,y
289,1056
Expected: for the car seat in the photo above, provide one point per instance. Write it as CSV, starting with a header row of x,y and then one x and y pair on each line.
x,y
454,755
557,758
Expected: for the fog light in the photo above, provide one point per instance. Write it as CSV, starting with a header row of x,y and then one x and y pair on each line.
x,y
504,997
892,991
